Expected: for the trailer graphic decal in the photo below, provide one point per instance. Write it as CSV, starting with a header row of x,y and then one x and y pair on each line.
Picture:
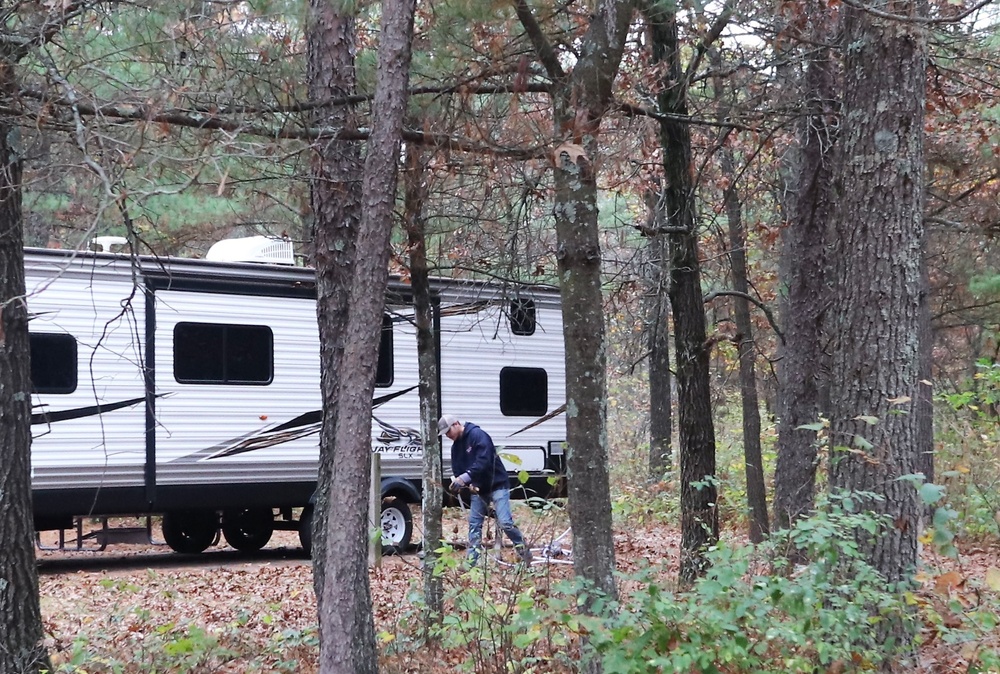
x,y
301,426
81,412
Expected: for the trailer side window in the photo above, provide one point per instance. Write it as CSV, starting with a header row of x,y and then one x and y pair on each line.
x,y
522,316
210,353
385,372
53,363
524,391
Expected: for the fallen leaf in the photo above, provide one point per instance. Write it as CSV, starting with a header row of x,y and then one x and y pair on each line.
x,y
947,582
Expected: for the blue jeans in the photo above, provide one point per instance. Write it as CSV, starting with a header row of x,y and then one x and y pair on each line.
x,y
477,515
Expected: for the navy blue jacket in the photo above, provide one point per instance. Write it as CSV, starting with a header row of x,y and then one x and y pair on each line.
x,y
475,459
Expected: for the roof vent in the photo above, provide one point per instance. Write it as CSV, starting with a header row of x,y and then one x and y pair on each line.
x,y
266,249
108,244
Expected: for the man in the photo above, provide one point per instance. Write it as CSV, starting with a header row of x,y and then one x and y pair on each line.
x,y
477,466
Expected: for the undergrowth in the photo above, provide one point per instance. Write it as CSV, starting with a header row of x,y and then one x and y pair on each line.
x,y
752,612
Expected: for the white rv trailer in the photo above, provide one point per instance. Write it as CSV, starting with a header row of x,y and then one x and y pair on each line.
x,y
190,388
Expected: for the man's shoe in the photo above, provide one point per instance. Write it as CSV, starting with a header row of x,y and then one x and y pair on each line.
x,y
524,552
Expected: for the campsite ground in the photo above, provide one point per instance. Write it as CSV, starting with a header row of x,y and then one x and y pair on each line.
x,y
139,608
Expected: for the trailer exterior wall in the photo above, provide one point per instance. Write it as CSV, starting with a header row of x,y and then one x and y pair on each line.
x,y
135,438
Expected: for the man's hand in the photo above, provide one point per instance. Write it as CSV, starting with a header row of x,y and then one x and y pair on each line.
x,y
457,485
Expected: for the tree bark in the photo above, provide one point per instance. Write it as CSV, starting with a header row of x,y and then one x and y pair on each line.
x,y
347,633
335,201
429,373
21,648
925,391
876,369
696,433
580,100
803,358
752,455
658,332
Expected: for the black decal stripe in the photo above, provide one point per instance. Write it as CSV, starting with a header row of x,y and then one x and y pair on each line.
x,y
80,412
551,415
265,441
301,420
390,396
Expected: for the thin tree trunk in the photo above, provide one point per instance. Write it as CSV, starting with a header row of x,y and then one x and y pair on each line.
x,y
335,200
658,331
429,373
805,253
925,394
21,648
752,455
347,633
696,433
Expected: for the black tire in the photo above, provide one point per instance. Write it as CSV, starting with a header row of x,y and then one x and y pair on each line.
x,y
190,531
306,529
248,529
397,525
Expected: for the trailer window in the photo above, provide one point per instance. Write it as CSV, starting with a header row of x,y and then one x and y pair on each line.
x,y
210,353
522,316
53,363
524,391
385,372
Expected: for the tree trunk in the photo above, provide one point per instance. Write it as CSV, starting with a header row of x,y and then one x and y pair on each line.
x,y
752,455
579,102
877,308
925,396
335,200
805,254
347,633
658,331
21,648
579,259
696,433
430,404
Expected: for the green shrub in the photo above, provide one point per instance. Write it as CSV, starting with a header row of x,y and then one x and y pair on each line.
x,y
752,613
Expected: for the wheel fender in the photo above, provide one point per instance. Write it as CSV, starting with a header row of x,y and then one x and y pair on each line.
x,y
400,488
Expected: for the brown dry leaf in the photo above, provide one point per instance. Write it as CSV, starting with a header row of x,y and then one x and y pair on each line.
x,y
993,578
948,582
574,151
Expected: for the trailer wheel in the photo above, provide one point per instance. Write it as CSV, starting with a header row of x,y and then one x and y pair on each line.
x,y
397,525
190,532
306,529
249,529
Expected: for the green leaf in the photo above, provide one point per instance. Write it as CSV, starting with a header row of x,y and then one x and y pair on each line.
x,y
513,458
930,493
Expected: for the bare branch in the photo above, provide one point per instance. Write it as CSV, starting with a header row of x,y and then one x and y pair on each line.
x,y
135,112
750,298
923,21
546,54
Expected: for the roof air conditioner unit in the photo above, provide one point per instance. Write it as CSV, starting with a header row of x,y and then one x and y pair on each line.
x,y
266,249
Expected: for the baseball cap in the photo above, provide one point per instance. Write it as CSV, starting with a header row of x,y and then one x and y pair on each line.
x,y
445,422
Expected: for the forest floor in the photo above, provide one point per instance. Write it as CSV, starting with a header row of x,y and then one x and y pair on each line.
x,y
137,608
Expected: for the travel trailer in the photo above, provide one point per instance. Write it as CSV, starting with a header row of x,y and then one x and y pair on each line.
x,y
190,389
